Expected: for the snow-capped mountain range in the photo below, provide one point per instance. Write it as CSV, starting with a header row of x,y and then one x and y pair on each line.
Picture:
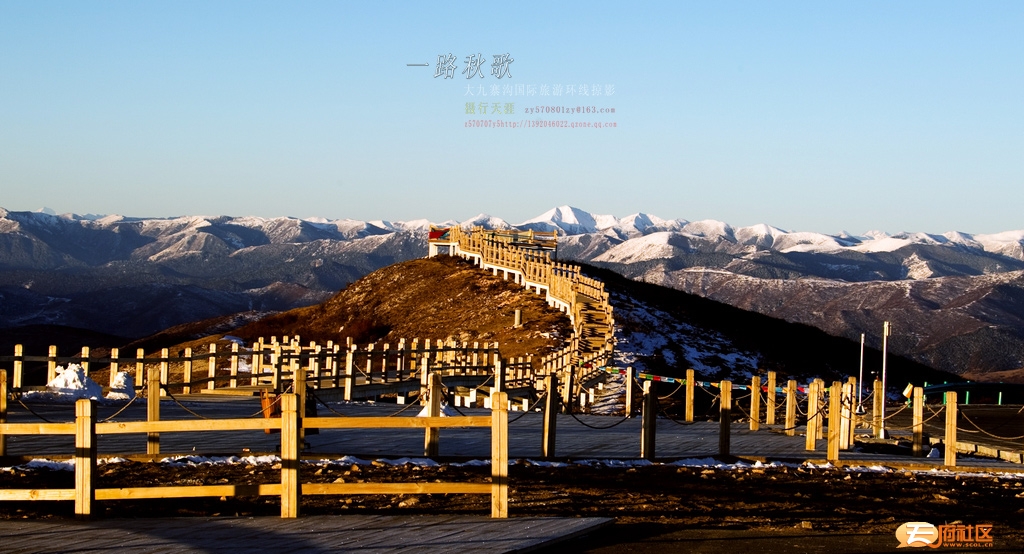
x,y
642,237
134,276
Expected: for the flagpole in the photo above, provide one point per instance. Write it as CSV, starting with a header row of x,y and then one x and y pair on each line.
x,y
886,329
860,380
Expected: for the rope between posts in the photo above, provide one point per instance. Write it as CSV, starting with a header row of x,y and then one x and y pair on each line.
x,y
484,384
890,416
911,426
117,413
740,408
312,392
180,405
399,412
979,429
674,420
818,411
585,424
528,410
268,410
33,412
672,393
714,400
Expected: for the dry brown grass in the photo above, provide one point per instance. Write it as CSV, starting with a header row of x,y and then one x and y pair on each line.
x,y
435,298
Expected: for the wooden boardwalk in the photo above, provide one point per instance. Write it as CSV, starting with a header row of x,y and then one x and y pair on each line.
x,y
574,439
363,534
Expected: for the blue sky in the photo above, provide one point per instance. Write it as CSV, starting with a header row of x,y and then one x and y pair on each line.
x,y
807,116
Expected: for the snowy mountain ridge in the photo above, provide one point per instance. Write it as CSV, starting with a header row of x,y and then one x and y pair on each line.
x,y
568,221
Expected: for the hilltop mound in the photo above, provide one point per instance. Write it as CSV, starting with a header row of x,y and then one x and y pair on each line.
x,y
433,298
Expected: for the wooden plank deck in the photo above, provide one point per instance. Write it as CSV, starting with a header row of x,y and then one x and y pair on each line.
x,y
363,534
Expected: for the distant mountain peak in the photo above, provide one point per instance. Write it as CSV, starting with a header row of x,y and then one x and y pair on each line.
x,y
567,218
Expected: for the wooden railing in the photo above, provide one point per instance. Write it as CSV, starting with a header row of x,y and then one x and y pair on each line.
x,y
86,429
268,364
584,298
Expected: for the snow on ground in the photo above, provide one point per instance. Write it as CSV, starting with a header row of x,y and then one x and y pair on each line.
x,y
650,340
708,463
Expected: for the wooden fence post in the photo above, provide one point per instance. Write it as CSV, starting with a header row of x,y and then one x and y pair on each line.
x,y
299,387
234,365
755,403
51,364
19,353
649,427
140,368
769,409
425,374
212,367
918,425
256,362
568,398
689,395
165,372
350,372
3,410
813,417
84,360
153,409
369,364
820,425
187,377
335,359
275,367
431,439
876,413
114,352
835,397
951,413
630,390
845,413
291,486
85,457
499,454
791,408
499,376
316,368
550,416
725,418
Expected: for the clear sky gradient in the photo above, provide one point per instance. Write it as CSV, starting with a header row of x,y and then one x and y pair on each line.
x,y
814,116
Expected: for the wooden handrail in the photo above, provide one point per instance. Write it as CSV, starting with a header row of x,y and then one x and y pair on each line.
x,y
86,429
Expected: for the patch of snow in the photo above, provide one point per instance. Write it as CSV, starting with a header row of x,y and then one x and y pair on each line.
x,y
65,465
420,462
123,387
70,384
446,411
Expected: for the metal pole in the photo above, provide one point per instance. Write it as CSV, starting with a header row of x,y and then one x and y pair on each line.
x,y
860,379
886,329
